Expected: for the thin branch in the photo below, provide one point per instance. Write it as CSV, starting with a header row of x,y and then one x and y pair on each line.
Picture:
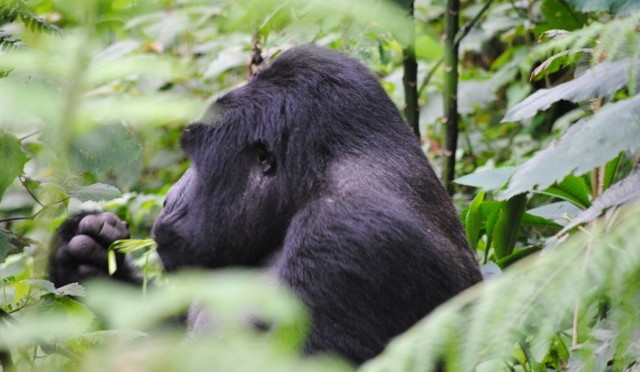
x,y
429,75
32,217
461,35
30,135
466,28
21,178
22,218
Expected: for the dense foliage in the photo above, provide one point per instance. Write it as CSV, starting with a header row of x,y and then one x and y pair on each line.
x,y
93,96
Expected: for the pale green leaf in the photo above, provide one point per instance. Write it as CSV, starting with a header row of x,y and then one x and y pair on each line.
x,y
96,192
625,191
587,144
491,179
537,298
599,81
13,160
611,6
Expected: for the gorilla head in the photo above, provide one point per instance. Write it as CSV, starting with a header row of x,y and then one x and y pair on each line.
x,y
266,154
310,173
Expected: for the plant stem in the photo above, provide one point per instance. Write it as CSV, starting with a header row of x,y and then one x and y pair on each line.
x,y
450,120
410,79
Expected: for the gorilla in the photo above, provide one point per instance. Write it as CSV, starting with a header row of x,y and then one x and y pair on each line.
x,y
309,173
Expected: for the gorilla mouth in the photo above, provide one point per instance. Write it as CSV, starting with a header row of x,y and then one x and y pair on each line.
x,y
170,245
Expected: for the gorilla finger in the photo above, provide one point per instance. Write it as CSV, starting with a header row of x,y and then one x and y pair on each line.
x,y
110,218
99,227
83,248
91,225
109,234
63,258
89,271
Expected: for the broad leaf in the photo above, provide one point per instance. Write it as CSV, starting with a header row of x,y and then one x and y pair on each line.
x,y
611,169
559,16
558,61
508,226
537,298
587,144
96,192
474,220
560,212
611,6
71,289
11,243
620,193
599,81
537,221
488,179
572,189
104,148
13,160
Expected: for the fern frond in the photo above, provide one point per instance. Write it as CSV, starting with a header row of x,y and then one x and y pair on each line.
x,y
610,41
8,42
10,10
555,294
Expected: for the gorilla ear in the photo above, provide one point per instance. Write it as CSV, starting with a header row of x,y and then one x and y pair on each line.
x,y
265,159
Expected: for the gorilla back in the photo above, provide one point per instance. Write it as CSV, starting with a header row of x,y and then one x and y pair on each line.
x,y
310,172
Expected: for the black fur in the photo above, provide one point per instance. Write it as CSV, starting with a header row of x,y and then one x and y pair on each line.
x,y
309,172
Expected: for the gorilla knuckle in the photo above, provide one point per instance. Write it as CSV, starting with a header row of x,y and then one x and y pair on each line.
x,y
82,246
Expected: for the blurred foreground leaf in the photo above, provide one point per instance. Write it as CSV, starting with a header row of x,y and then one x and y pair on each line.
x,y
555,290
13,160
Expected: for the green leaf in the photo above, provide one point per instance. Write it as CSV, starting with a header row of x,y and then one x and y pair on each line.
x,y
559,16
611,6
560,212
492,211
537,221
104,148
517,256
558,61
625,191
427,48
507,225
474,220
586,145
11,242
71,289
133,245
488,179
537,298
76,313
599,81
96,192
5,247
111,261
572,189
611,169
13,160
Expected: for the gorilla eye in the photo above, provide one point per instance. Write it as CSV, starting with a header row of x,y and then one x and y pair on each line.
x,y
265,159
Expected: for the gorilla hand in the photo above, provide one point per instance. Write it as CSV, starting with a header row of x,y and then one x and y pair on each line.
x,y
80,249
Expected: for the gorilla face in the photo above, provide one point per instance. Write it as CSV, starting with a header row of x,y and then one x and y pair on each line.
x,y
227,209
